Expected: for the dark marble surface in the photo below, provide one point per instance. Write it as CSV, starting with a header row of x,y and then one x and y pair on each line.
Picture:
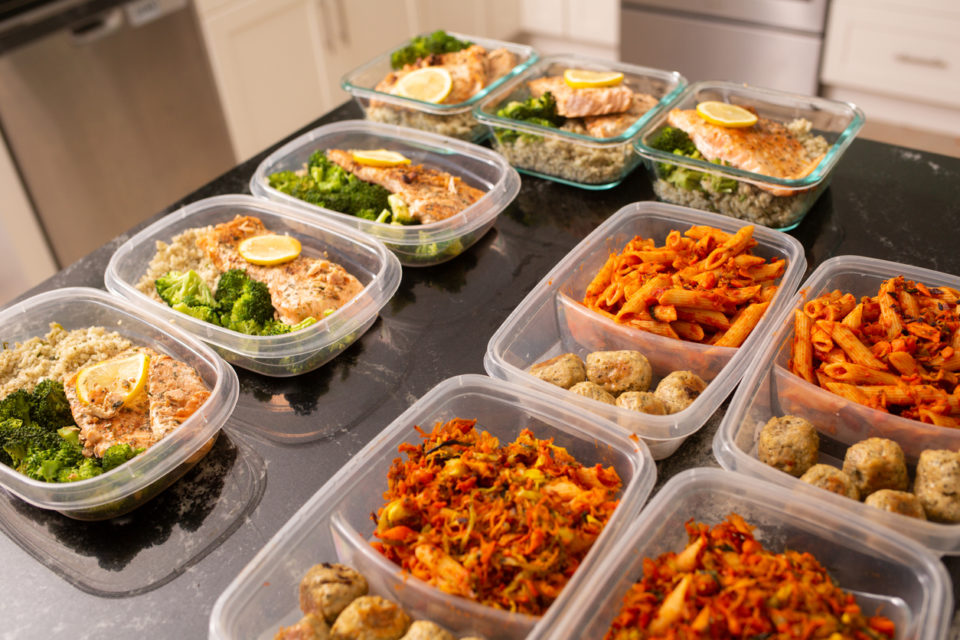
x,y
157,572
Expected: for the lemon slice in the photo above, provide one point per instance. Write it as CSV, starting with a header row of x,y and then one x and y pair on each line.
x,y
586,79
726,115
115,382
429,84
269,249
379,157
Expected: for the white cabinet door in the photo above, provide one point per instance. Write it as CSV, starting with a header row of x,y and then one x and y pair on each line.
x,y
497,19
268,60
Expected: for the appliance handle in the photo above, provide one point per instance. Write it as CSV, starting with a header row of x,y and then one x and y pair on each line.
x,y
97,28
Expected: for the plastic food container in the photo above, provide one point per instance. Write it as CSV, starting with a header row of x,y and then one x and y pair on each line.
x,y
454,120
133,483
770,389
335,523
420,245
890,574
779,203
551,321
283,355
568,157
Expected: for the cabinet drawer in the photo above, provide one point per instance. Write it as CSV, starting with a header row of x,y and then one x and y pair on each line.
x,y
893,51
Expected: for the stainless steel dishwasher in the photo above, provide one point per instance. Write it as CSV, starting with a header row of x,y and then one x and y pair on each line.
x,y
110,119
767,43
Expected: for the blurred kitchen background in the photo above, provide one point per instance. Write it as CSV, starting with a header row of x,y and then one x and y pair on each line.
x,y
110,110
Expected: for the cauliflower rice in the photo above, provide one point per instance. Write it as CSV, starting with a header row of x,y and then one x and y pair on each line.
x,y
58,355
460,125
181,254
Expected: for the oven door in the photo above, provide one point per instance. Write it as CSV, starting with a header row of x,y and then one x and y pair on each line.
x,y
798,15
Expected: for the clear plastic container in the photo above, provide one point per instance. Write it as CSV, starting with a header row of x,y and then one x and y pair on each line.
x,y
771,389
779,203
420,245
130,485
454,120
551,321
283,355
571,158
890,574
335,523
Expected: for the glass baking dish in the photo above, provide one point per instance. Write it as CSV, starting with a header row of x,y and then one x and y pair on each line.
x,y
551,321
569,157
335,523
454,120
779,203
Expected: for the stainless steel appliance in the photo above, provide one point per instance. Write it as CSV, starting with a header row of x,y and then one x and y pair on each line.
x,y
767,43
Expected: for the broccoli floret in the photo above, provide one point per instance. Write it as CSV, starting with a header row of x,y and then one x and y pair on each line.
x,y
229,288
87,468
275,327
117,454
47,464
541,111
207,314
49,406
422,46
253,304
16,405
673,140
186,288
18,438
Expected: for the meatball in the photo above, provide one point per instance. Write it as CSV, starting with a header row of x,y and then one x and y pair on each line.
x,y
874,464
679,389
831,479
327,588
938,484
564,371
310,627
371,618
619,371
902,502
594,391
789,443
642,401
426,630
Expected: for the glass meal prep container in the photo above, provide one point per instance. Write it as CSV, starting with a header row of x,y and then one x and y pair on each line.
x,y
454,120
278,355
889,574
133,483
771,389
335,524
779,203
551,320
419,245
567,156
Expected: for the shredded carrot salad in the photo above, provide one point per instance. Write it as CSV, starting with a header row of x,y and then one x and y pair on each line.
x,y
726,585
503,525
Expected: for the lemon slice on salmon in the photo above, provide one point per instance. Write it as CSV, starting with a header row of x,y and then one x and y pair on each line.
x,y
379,157
429,84
269,249
586,79
726,114
113,382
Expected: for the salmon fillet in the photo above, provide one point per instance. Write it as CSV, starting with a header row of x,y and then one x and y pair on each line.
x,y
431,195
615,124
302,288
468,69
767,148
172,393
499,63
576,103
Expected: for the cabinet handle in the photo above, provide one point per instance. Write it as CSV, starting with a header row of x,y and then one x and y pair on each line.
x,y
328,35
342,21
934,63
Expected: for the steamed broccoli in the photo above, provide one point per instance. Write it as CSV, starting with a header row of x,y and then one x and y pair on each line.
x,y
541,111
49,406
85,469
206,314
186,288
422,46
50,463
275,327
16,405
229,287
117,454
18,438
673,140
253,304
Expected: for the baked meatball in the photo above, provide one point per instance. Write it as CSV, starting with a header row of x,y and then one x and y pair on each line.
x,y
831,479
564,371
327,588
310,627
679,389
937,484
619,371
642,401
789,443
902,502
874,464
371,618
426,630
592,390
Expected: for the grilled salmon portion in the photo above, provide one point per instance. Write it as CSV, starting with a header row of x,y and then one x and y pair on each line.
x,y
576,103
173,392
615,124
302,288
767,148
431,195
471,69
